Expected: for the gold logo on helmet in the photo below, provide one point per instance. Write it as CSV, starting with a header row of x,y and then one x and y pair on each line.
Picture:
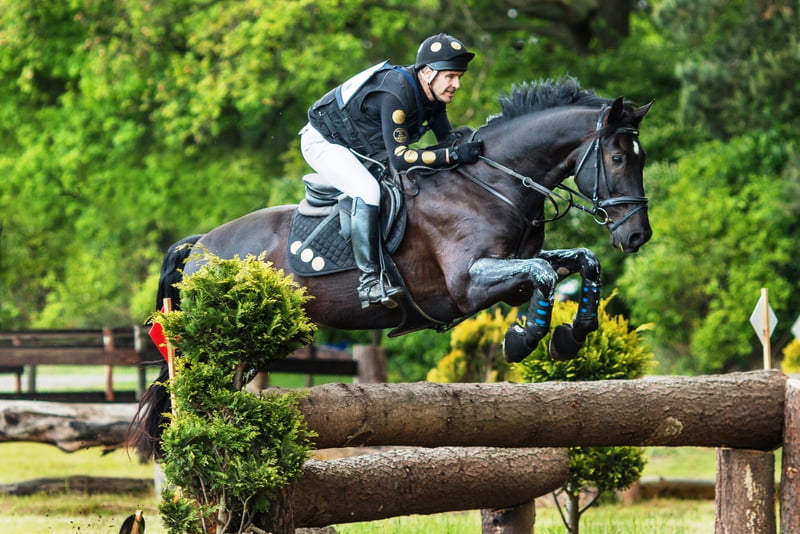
x,y
455,45
435,47
399,116
400,135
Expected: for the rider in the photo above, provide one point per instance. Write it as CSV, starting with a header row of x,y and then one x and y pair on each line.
x,y
376,115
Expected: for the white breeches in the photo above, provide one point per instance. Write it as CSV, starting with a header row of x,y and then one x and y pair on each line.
x,y
339,167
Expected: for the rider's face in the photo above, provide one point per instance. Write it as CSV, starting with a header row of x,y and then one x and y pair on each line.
x,y
444,85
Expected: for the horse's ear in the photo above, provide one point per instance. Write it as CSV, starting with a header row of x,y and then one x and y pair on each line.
x,y
639,113
616,112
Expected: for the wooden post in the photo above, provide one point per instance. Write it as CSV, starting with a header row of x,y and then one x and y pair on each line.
x,y
15,341
745,497
167,302
311,353
371,364
30,370
512,520
767,329
108,344
141,370
790,468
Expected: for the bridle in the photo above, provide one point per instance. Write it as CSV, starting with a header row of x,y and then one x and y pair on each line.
x,y
594,153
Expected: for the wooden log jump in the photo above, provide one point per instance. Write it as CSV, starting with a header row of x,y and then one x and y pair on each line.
x,y
423,481
747,414
737,410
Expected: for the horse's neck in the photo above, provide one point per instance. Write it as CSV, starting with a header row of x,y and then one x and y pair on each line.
x,y
539,146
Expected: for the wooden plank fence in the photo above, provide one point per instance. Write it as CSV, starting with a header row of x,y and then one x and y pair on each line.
x,y
21,351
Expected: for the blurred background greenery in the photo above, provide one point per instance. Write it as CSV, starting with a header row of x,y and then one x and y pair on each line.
x,y
127,125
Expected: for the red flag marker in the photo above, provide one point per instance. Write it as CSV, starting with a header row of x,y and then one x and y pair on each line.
x,y
156,333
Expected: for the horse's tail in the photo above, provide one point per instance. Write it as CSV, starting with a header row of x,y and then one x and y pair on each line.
x,y
144,432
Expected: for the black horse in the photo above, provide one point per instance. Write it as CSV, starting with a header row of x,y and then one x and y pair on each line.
x,y
474,233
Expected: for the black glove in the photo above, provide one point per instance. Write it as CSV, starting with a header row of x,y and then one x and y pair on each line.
x,y
456,136
466,152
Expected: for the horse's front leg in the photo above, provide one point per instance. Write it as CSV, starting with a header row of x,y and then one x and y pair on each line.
x,y
493,280
568,339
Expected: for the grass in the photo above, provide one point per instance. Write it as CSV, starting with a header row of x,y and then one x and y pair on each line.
x,y
98,514
681,462
664,517
74,512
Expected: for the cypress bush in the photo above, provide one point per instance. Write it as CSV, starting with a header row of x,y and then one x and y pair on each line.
x,y
229,451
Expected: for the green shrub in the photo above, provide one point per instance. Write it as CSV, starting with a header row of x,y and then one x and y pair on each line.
x,y
476,353
231,452
614,351
791,358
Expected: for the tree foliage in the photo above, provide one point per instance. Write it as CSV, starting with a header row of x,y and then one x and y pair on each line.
x,y
743,69
128,125
726,232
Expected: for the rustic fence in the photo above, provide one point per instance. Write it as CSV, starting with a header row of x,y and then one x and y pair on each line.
x,y
21,351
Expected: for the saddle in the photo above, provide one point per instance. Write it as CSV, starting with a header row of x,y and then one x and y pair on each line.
x,y
319,238
319,242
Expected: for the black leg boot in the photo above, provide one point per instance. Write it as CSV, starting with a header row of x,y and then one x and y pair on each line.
x,y
364,232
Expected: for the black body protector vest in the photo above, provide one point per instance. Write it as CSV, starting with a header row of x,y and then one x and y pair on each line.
x,y
339,115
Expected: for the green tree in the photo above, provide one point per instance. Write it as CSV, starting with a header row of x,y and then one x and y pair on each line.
x,y
742,64
725,228
614,351
129,125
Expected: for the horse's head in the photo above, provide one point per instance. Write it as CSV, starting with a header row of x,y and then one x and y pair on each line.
x,y
609,172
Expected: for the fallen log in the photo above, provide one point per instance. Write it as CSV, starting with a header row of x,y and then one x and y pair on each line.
x,y
648,488
423,481
86,485
68,426
736,410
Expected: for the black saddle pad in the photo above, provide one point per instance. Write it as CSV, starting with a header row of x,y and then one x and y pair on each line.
x,y
319,239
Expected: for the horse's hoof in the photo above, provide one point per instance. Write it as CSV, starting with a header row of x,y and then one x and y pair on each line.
x,y
563,346
515,347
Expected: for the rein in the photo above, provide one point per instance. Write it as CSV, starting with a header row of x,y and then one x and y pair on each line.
x,y
597,209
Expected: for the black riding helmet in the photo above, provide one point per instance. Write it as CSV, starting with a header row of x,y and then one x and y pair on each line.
x,y
443,52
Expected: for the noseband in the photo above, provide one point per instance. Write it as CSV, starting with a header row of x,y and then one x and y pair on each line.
x,y
598,205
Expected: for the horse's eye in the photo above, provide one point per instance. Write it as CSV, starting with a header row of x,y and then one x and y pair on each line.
x,y
618,159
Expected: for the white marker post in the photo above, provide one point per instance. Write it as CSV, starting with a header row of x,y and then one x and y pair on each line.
x,y
764,321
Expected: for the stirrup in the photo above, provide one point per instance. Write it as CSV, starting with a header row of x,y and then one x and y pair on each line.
x,y
385,297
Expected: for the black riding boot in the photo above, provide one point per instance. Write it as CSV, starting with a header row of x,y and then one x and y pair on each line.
x,y
365,232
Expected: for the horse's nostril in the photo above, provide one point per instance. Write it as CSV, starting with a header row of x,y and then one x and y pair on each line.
x,y
638,239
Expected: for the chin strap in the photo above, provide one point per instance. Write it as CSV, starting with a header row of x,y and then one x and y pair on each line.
x,y
430,85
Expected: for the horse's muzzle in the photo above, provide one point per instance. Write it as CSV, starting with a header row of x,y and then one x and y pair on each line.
x,y
630,242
